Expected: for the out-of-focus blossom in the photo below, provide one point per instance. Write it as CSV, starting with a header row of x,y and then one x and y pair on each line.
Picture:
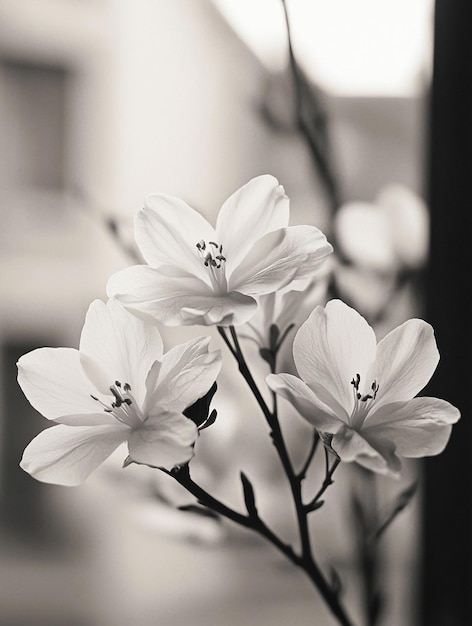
x,y
387,235
360,395
118,387
286,308
197,274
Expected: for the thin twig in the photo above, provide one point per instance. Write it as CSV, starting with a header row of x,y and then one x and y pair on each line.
x,y
311,453
328,480
318,142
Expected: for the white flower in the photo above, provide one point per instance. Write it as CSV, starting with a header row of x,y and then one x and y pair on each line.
x,y
362,394
387,235
119,386
197,274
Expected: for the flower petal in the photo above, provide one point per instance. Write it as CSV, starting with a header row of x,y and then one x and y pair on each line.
x,y
304,401
406,360
167,231
53,381
278,258
232,309
141,282
257,208
100,418
116,345
146,292
420,427
331,347
175,301
66,455
186,374
378,455
164,440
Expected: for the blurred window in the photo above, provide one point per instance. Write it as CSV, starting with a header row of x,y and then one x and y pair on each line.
x,y
32,122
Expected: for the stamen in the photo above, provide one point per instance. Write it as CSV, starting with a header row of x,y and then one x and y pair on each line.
x,y
362,402
119,400
356,381
211,254
211,259
124,407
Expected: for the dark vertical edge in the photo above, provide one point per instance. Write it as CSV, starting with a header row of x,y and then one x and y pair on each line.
x,y
446,598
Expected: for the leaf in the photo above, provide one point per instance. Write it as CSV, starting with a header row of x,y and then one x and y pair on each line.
x,y
209,421
274,334
316,505
199,510
249,497
198,412
268,356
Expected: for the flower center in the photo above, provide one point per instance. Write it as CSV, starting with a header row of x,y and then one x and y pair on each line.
x,y
124,407
362,401
213,259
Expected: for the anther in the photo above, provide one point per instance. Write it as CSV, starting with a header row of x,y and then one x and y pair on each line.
x,y
356,381
120,408
119,400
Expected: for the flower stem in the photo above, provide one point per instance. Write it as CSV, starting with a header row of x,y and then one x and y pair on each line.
x,y
246,373
306,559
222,332
314,445
254,522
314,504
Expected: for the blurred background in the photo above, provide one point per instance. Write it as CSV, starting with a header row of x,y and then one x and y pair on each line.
x,y
368,129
